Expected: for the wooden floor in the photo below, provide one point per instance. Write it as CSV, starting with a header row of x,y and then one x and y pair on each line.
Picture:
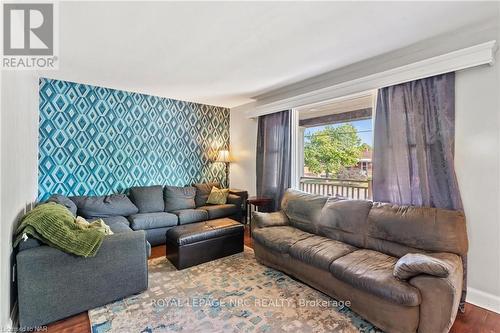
x,y
475,319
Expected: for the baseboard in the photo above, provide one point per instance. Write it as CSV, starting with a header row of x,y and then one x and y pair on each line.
x,y
483,299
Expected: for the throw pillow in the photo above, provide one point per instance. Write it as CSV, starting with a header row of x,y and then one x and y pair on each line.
x,y
218,196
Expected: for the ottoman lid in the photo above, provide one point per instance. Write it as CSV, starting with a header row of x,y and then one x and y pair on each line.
x,y
196,232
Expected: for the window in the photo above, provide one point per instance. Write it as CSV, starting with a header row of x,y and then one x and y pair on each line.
x,y
335,149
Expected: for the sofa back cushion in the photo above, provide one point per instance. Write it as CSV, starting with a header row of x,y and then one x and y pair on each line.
x,y
303,209
104,206
202,192
345,220
394,230
65,201
177,198
148,199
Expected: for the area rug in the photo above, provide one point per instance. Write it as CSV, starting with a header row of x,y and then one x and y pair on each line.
x,y
232,294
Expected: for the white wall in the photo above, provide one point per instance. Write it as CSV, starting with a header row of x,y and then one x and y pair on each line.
x,y
243,141
477,162
19,165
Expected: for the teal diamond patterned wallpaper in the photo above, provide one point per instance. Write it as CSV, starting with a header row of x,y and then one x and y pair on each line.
x,y
96,141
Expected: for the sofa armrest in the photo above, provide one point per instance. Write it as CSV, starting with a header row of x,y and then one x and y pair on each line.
x,y
440,298
264,220
53,284
435,264
235,200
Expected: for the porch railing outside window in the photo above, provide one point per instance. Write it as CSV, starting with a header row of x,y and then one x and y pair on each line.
x,y
352,189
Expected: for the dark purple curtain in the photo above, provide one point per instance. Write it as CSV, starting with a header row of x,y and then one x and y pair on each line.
x,y
274,156
414,146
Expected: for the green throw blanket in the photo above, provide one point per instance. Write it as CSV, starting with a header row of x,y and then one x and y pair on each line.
x,y
54,225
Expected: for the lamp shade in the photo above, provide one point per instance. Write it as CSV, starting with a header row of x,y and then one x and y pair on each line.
x,y
223,156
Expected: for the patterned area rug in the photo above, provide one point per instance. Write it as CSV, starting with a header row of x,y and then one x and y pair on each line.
x,y
232,294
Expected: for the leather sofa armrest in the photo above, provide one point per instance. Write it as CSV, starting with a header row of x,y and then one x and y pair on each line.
x,y
435,264
264,220
440,297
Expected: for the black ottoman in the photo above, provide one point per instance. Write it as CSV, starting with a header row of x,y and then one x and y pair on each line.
x,y
196,243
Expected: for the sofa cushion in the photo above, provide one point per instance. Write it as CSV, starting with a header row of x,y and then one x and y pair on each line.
x,y
191,215
104,206
149,199
152,220
425,228
65,201
303,209
202,192
116,219
264,220
279,238
372,272
177,198
345,221
319,251
119,227
218,211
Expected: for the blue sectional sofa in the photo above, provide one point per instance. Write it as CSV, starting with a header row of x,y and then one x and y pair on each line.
x,y
53,285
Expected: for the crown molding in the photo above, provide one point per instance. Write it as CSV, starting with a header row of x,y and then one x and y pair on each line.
x,y
477,55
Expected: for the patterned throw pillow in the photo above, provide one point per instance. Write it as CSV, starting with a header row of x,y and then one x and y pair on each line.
x,y
218,196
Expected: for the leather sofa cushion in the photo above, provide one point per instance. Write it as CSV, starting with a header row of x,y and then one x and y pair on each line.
x,y
65,201
303,209
319,251
429,229
373,272
218,211
264,220
191,215
202,192
104,206
148,199
152,220
279,238
345,221
197,232
177,198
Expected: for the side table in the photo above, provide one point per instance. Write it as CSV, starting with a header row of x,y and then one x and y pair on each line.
x,y
257,202
243,194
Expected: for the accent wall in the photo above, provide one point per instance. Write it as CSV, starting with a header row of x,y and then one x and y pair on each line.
x,y
97,141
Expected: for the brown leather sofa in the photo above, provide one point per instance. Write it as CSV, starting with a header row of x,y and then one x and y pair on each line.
x,y
399,266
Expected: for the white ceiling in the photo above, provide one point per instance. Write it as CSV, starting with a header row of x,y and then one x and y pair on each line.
x,y
225,53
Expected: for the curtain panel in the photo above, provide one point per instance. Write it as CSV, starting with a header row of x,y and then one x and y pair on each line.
x,y
414,144
274,156
413,161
